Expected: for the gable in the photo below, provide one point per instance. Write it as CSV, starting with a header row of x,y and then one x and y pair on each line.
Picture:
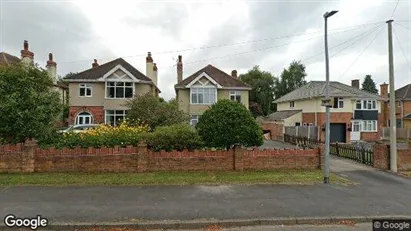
x,y
120,73
203,82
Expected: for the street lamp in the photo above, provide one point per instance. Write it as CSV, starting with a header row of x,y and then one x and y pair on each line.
x,y
327,101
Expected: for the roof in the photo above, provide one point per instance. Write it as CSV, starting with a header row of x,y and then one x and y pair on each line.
x,y
222,78
281,115
98,72
403,92
317,89
61,84
407,117
6,58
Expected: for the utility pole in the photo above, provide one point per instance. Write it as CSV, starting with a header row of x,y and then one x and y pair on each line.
x,y
327,101
393,122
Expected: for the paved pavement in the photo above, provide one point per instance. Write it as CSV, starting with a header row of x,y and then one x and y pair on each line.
x,y
378,193
274,144
356,227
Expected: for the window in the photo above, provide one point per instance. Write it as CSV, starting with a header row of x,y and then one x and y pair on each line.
x,y
369,126
119,90
203,95
194,120
85,89
338,102
356,126
235,96
297,124
115,117
292,104
84,118
366,105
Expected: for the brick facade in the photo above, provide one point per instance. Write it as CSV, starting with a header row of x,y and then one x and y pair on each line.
x,y
335,117
96,111
382,157
276,130
30,158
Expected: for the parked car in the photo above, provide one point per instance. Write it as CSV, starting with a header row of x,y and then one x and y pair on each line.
x,y
78,128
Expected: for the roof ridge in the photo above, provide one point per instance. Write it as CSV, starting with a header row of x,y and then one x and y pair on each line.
x,y
406,91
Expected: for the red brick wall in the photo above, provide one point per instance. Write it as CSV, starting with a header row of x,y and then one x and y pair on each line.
x,y
96,111
276,130
382,157
30,158
335,117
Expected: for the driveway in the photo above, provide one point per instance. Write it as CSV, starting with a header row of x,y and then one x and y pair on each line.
x,y
274,144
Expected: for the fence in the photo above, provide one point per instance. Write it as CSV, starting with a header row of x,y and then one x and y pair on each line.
x,y
310,132
356,153
303,142
402,133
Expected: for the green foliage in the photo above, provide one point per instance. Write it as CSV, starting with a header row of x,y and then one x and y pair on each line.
x,y
227,123
369,85
70,74
66,110
29,106
261,95
151,110
174,137
291,78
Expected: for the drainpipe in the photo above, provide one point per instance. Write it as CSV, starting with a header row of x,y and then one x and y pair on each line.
x,y
315,122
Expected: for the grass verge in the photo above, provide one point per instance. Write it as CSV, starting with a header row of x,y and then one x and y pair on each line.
x,y
167,178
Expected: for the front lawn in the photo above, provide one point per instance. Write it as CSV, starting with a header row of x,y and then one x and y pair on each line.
x,y
168,178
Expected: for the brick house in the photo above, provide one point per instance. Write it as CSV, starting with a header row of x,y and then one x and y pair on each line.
x,y
99,94
355,114
402,106
197,92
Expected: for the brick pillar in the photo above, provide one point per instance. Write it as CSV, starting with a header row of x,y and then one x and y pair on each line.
x,y
381,154
27,158
238,153
142,156
321,156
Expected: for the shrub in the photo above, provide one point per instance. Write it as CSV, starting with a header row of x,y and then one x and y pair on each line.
x,y
227,123
174,137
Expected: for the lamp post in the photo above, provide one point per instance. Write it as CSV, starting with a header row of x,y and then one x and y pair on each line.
x,y
327,101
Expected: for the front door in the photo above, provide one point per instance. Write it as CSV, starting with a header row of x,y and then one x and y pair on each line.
x,y
356,130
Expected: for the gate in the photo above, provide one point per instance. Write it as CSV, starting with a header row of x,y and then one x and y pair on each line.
x,y
357,153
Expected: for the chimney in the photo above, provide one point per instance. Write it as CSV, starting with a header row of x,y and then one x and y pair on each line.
x,y
52,68
26,55
155,74
384,90
149,66
95,64
179,69
355,83
234,73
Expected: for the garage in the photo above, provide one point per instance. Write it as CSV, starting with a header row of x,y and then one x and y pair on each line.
x,y
337,133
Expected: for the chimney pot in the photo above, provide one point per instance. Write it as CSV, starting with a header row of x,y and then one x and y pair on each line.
x,y
26,45
155,67
50,62
355,83
50,56
95,64
26,55
149,59
180,59
234,73
180,69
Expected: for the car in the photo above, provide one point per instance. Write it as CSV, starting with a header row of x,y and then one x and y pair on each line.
x,y
78,128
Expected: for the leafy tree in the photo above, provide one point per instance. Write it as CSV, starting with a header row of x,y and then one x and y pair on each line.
x,y
151,110
227,123
369,85
261,95
70,74
29,106
291,78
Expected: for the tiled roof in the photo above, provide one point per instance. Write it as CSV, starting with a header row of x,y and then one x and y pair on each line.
x,y
403,92
6,58
281,115
99,71
222,78
317,89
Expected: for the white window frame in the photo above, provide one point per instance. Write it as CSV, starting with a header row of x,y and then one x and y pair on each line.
x,y
194,118
292,104
234,94
367,103
366,123
106,114
359,124
195,90
340,100
133,86
85,86
83,117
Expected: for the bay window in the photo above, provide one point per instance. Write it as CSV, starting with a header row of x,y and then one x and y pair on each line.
x,y
119,90
203,95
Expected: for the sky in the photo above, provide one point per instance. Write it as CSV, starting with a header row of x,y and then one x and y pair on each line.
x,y
231,35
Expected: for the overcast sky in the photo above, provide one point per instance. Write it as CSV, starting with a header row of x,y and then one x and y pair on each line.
x,y
76,32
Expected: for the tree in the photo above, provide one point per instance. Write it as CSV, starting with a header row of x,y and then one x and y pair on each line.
x,y
227,123
369,85
70,74
261,95
291,78
29,106
154,111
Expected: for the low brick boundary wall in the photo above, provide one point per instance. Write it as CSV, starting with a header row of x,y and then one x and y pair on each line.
x,y
382,157
28,157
